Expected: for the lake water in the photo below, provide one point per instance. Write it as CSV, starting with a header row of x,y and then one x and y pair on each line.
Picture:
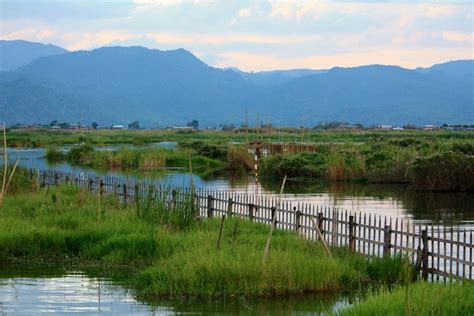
x,y
51,291
391,200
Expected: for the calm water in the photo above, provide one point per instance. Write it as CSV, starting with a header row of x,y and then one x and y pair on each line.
x,y
390,200
47,292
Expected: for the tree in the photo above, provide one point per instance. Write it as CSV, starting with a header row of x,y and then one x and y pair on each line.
x,y
194,124
53,123
134,125
95,125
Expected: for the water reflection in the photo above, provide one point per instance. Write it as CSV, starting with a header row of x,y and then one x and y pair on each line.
x,y
56,291
390,200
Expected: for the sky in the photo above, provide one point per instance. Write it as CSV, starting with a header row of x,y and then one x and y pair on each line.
x,y
256,35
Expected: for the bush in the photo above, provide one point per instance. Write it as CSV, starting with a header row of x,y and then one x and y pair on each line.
x,y
450,171
238,158
54,155
79,154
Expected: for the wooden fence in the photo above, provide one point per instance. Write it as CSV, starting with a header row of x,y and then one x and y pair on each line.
x,y
440,252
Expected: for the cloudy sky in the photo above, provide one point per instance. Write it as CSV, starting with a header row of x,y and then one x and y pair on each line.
x,y
256,35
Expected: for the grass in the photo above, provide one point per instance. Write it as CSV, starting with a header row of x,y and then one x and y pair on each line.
x,y
172,254
419,299
205,158
142,159
48,138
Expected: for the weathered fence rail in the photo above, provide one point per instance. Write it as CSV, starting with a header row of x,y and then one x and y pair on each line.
x,y
440,252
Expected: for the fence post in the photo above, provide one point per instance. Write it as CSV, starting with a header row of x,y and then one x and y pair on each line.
x,y
424,255
251,211
320,223
297,220
386,241
67,179
209,206
174,195
274,210
101,187
137,199
229,207
56,178
351,233
116,191
90,185
124,193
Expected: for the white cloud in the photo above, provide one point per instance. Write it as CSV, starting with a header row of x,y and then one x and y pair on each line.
x,y
245,12
459,37
143,5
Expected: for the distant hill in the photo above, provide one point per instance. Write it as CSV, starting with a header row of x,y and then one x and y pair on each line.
x,y
118,84
136,83
453,68
22,100
275,77
17,53
377,94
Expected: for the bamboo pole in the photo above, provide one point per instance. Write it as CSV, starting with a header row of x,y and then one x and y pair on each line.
x,y
267,246
5,163
193,190
326,248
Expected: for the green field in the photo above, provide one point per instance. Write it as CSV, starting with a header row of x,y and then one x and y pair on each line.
x,y
47,138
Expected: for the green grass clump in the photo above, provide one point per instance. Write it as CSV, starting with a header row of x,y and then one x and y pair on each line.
x,y
126,158
419,299
195,268
173,254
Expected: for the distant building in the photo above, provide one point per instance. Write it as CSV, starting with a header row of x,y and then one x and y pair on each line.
x,y
385,126
118,127
398,128
186,128
428,127
350,126
55,127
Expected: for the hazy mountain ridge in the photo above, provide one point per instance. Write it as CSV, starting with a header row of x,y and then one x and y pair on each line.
x,y
17,53
171,87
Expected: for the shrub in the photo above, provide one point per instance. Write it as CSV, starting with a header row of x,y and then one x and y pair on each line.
x,y
79,154
448,171
238,158
54,155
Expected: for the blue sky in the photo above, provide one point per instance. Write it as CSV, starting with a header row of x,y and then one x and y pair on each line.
x,y
256,35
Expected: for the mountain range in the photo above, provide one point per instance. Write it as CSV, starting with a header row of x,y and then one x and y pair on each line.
x,y
160,88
